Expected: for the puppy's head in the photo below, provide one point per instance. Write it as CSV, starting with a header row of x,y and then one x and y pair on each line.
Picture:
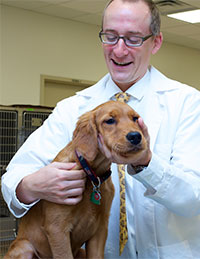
x,y
115,124
121,138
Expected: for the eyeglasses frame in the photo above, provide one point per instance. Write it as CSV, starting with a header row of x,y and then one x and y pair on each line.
x,y
124,39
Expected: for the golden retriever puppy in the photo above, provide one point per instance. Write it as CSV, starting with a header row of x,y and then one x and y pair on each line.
x,y
52,230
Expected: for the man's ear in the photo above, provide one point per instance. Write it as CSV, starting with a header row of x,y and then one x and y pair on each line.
x,y
85,136
157,43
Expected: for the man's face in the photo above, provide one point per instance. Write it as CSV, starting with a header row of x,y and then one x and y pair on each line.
x,y
128,64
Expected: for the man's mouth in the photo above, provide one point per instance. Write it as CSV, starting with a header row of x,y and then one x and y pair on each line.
x,y
121,64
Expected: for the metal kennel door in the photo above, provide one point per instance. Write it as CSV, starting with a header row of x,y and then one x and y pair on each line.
x,y
16,124
31,120
8,147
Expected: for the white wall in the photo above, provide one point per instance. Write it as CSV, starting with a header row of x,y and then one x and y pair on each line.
x,y
1,60
35,44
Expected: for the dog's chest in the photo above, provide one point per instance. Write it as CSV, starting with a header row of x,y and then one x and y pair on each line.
x,y
87,213
87,218
84,227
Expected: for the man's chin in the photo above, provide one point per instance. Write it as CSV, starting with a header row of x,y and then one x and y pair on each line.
x,y
122,82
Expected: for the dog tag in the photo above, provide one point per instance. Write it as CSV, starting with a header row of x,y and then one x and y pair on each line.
x,y
95,197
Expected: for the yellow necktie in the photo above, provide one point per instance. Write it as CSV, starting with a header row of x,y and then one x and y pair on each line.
x,y
123,236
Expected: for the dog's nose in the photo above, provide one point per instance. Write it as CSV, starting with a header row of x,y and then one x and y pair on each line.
x,y
134,137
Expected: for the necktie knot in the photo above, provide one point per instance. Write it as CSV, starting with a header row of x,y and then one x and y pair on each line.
x,y
122,97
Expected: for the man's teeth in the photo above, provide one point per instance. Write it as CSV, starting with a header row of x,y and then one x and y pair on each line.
x,y
122,64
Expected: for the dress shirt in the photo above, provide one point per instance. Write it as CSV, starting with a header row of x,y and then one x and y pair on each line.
x,y
163,201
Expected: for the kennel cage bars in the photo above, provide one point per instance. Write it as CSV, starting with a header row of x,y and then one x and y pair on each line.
x,y
16,124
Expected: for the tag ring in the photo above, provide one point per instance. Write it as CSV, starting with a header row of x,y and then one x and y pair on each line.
x,y
99,183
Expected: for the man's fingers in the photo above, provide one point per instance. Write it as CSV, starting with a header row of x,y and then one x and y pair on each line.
x,y
73,175
73,200
64,166
68,185
68,173
143,127
76,192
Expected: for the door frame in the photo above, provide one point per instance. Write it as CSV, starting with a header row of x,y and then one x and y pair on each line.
x,y
60,80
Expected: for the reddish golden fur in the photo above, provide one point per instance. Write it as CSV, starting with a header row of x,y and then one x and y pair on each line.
x,y
51,230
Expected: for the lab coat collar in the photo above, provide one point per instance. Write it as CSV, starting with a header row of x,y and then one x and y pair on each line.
x,y
107,88
97,89
160,83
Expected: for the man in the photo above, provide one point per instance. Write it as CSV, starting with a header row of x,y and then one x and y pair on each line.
x,y
163,200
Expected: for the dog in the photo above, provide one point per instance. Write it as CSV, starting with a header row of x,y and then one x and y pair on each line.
x,y
52,230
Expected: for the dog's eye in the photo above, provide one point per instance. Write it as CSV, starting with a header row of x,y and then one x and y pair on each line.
x,y
135,119
110,121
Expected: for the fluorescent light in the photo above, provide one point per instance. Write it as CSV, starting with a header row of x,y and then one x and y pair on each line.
x,y
189,16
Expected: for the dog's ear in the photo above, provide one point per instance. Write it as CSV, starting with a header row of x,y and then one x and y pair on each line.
x,y
85,136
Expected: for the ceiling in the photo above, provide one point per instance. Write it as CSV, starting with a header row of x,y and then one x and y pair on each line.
x,y
90,11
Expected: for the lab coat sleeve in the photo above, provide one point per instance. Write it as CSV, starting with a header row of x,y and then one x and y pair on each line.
x,y
39,150
174,180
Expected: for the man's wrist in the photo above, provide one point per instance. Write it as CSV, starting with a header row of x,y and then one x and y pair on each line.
x,y
136,169
23,192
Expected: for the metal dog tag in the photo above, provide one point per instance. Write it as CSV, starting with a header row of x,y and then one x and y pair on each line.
x,y
95,197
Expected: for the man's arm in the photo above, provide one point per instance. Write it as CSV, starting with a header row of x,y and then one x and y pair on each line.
x,y
172,177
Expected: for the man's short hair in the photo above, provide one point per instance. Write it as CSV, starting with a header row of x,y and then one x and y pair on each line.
x,y
155,14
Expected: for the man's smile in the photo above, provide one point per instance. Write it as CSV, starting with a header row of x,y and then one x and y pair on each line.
x,y
121,63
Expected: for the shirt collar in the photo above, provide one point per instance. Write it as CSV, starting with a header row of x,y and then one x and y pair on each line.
x,y
136,91
105,89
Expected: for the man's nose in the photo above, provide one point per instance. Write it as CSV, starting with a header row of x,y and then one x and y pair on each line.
x,y
120,48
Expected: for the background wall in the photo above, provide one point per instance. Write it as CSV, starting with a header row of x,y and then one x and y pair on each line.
x,y
34,44
179,63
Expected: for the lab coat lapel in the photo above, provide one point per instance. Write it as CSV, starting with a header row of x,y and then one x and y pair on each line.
x,y
153,114
154,102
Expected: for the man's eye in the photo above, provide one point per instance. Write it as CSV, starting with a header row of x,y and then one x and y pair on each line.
x,y
110,121
111,37
133,40
135,118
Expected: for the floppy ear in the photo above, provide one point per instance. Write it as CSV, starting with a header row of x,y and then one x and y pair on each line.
x,y
85,136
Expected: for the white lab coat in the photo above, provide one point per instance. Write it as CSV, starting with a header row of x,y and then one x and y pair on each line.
x,y
163,201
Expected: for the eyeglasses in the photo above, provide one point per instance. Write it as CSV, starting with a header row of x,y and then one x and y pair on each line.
x,y
131,41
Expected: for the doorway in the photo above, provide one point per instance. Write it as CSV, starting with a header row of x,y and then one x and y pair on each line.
x,y
55,89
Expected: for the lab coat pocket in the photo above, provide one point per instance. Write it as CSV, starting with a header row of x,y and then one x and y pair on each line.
x,y
163,151
179,251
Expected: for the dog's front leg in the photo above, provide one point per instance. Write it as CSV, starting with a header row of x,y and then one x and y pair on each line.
x,y
60,243
95,246
20,248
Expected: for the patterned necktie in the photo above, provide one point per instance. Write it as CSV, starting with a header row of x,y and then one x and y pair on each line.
x,y
123,236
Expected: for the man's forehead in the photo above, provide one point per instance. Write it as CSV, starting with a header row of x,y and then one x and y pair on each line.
x,y
127,12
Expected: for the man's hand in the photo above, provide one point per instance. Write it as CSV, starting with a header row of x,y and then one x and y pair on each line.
x,y
146,157
56,182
